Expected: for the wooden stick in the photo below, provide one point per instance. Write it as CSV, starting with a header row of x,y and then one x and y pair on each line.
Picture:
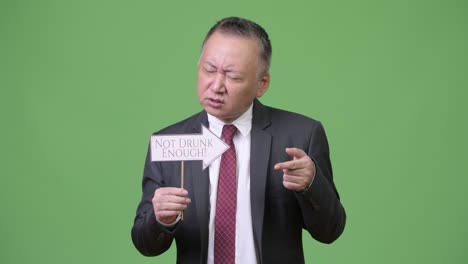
x,y
182,174
182,183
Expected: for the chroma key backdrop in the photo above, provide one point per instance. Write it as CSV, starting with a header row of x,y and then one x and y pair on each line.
x,y
83,84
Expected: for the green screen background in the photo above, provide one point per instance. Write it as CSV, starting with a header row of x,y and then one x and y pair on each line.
x,y
85,83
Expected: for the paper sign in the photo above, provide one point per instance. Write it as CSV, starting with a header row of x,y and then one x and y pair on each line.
x,y
205,146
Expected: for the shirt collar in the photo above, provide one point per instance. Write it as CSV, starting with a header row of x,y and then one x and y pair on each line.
x,y
243,123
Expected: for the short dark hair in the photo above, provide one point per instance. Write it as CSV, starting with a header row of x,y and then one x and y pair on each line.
x,y
245,28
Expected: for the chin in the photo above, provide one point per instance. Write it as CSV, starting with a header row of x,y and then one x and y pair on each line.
x,y
213,111
216,113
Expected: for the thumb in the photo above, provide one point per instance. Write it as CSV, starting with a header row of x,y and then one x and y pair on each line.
x,y
297,153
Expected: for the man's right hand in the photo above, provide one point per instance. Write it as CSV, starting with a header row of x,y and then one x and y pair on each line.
x,y
168,202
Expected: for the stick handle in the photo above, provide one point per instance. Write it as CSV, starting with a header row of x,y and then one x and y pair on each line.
x,y
182,174
182,183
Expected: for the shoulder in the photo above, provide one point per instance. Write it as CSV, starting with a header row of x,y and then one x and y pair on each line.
x,y
294,129
287,119
191,124
288,116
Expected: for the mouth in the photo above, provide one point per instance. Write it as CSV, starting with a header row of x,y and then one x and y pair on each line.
x,y
215,103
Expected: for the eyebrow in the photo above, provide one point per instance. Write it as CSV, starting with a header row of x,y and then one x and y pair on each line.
x,y
227,70
210,64
232,70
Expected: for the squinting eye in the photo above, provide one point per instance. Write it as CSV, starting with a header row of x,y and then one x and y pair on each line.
x,y
211,70
234,78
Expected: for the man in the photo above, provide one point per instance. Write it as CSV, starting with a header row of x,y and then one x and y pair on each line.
x,y
251,204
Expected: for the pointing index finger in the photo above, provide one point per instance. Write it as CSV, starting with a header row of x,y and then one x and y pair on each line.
x,y
296,154
289,165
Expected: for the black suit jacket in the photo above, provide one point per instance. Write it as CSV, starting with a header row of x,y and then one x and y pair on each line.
x,y
278,214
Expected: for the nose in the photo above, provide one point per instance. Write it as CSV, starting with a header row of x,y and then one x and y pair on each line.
x,y
218,85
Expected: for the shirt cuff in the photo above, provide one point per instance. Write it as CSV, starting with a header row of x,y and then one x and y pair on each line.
x,y
171,224
308,187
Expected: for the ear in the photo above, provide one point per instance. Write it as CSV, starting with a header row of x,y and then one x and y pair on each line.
x,y
263,84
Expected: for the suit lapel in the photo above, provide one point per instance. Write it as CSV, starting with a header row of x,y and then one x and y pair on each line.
x,y
201,183
259,162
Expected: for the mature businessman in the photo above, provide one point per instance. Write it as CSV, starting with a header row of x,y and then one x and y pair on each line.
x,y
251,204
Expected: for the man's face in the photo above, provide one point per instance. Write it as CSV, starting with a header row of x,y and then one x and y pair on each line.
x,y
228,79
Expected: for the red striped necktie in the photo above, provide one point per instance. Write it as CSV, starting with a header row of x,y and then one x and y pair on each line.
x,y
226,199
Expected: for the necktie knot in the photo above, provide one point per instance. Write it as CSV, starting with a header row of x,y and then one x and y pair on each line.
x,y
228,133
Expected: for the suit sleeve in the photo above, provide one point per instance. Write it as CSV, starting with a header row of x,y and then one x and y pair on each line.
x,y
148,235
323,214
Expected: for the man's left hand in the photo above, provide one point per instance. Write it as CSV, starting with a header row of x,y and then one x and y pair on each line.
x,y
299,172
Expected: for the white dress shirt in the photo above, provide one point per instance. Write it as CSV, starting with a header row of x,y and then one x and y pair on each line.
x,y
245,250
